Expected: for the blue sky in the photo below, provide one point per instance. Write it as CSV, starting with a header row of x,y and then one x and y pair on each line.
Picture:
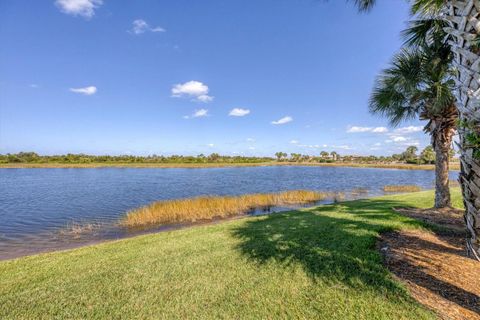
x,y
190,77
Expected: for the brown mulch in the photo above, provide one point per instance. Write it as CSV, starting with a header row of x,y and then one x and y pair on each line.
x,y
448,217
435,267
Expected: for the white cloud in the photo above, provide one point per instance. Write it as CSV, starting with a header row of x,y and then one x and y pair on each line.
x,y
356,129
380,130
377,144
251,148
140,26
409,129
239,112
211,145
34,86
193,89
283,120
294,142
397,139
250,140
84,8
311,146
344,147
204,98
198,114
88,91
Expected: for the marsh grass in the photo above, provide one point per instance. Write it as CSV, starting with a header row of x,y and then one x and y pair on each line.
x,y
401,188
210,207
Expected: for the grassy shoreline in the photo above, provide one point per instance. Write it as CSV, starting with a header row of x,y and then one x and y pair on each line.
x,y
318,262
453,166
215,207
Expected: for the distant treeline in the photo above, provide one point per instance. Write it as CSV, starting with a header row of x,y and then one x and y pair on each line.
x,y
32,157
427,156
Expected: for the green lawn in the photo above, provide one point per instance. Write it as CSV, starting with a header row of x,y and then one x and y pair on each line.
x,y
318,263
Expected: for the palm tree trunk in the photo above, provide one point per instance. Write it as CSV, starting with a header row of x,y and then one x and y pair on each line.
x,y
442,145
464,19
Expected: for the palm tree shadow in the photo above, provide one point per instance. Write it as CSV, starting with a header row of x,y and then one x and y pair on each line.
x,y
330,247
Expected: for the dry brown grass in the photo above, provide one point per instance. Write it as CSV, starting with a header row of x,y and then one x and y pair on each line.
x,y
401,188
210,207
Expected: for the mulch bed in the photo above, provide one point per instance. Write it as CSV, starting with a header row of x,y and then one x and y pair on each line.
x,y
434,266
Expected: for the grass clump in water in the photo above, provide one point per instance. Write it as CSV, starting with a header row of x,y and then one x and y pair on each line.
x,y
401,188
209,207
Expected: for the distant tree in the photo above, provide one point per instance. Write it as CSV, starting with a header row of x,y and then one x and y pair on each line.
x,y
428,155
295,156
280,155
214,157
324,154
410,155
334,155
305,158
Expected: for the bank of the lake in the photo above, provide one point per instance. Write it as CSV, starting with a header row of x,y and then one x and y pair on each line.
x,y
453,166
314,263
49,209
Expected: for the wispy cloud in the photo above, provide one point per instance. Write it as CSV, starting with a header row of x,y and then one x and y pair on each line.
x,y
250,140
211,145
294,142
403,141
192,89
409,129
357,129
197,114
283,120
84,8
34,86
344,147
140,26
88,91
239,112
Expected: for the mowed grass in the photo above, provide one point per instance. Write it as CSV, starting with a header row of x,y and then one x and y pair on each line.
x,y
318,263
210,207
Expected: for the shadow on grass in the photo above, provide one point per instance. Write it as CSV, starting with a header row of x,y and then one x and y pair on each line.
x,y
333,243
337,244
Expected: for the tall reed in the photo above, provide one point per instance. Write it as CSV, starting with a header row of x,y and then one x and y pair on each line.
x,y
209,207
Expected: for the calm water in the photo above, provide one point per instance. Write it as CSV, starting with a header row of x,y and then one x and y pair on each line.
x,y
37,205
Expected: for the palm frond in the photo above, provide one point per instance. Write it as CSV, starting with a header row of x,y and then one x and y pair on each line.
x,y
425,31
364,5
427,7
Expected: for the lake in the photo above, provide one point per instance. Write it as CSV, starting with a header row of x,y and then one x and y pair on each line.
x,y
38,205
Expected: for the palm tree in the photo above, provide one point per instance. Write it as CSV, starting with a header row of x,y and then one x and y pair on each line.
x,y
334,155
419,84
428,155
462,17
